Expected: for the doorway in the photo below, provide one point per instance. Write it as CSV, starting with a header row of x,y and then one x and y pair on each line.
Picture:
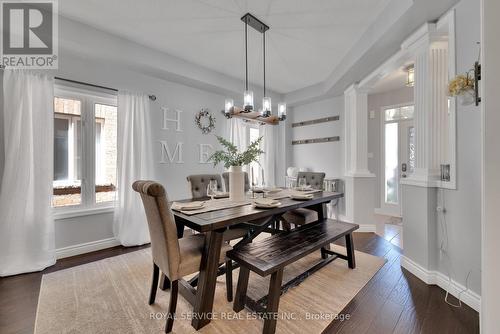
x,y
397,156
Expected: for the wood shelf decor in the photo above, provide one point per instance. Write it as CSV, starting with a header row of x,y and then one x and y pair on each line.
x,y
316,121
252,116
316,140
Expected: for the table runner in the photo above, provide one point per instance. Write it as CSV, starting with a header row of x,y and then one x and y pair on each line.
x,y
226,203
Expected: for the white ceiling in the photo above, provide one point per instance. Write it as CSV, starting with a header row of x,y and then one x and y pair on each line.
x,y
393,81
306,42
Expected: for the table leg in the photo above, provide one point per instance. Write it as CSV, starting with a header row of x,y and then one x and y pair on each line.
x,y
322,211
349,244
207,278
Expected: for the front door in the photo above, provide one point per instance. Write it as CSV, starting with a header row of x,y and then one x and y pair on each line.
x,y
398,156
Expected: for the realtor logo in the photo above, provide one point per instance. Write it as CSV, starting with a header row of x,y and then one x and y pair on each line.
x,y
29,34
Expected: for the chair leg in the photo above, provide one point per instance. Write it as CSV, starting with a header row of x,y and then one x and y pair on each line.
x,y
229,280
164,282
174,291
154,284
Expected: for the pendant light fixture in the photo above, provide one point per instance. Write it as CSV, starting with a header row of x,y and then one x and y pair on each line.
x,y
248,98
266,101
247,94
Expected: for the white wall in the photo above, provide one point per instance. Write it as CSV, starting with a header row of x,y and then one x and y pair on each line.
x,y
376,102
423,228
490,86
320,157
463,206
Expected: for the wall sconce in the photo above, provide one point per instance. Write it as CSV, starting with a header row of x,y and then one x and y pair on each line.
x,y
410,75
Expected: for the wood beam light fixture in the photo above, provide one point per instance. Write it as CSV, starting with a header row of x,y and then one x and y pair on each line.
x,y
247,112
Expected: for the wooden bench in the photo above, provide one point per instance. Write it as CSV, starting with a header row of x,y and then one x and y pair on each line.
x,y
271,255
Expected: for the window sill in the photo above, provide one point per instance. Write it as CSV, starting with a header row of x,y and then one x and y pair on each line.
x,y
64,213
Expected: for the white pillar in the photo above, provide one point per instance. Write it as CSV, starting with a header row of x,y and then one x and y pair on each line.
x,y
356,132
359,182
431,108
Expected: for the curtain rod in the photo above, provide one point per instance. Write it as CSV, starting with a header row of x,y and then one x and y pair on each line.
x,y
151,97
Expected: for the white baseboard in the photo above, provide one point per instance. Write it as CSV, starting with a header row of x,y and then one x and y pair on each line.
x,y
432,277
86,247
383,212
362,227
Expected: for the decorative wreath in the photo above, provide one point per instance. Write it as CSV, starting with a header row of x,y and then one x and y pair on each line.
x,y
205,121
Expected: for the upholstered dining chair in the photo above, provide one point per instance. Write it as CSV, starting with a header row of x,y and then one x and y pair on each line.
x,y
225,176
305,216
175,257
199,184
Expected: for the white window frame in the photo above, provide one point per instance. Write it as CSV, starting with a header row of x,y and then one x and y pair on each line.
x,y
88,99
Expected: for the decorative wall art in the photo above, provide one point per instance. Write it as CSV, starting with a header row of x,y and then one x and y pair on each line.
x,y
205,121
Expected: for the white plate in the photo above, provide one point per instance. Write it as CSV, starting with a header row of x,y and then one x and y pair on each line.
x,y
273,190
306,188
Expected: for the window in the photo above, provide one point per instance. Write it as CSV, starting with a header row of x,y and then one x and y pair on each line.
x,y
399,114
85,131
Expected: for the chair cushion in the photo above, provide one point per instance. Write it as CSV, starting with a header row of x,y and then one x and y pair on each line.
x,y
191,248
301,216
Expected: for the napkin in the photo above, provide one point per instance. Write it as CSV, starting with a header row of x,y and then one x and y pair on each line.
x,y
188,205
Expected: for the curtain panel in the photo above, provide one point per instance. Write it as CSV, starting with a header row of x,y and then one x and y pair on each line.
x,y
135,162
26,222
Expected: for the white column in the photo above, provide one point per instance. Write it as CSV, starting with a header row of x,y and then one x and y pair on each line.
x,y
356,132
431,77
359,182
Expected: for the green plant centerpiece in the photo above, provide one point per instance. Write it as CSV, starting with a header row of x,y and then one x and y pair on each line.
x,y
233,160
230,156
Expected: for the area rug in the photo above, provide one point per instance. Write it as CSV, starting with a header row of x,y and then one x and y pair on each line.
x,y
110,296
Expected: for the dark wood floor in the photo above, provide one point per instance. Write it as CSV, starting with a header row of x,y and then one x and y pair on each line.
x,y
394,301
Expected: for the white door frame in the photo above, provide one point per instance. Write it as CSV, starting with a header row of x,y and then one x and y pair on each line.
x,y
386,208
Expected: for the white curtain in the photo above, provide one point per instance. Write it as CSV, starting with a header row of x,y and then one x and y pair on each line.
x,y
237,133
26,222
268,159
135,162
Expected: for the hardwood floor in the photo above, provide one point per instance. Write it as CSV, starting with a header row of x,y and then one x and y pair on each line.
x,y
394,301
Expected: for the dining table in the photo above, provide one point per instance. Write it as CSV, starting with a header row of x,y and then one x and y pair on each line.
x,y
215,222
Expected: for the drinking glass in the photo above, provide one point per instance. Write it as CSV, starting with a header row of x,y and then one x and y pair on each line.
x,y
212,188
302,183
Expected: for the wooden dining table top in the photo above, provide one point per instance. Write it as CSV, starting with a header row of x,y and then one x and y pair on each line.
x,y
222,218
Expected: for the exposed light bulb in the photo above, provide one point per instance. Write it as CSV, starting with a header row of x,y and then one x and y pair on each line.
x,y
266,107
248,100
281,111
228,107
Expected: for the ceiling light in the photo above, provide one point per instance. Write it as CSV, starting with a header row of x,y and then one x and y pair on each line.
x,y
410,75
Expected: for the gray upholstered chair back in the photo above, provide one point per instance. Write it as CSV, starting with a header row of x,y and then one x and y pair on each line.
x,y
199,184
162,229
225,176
313,179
